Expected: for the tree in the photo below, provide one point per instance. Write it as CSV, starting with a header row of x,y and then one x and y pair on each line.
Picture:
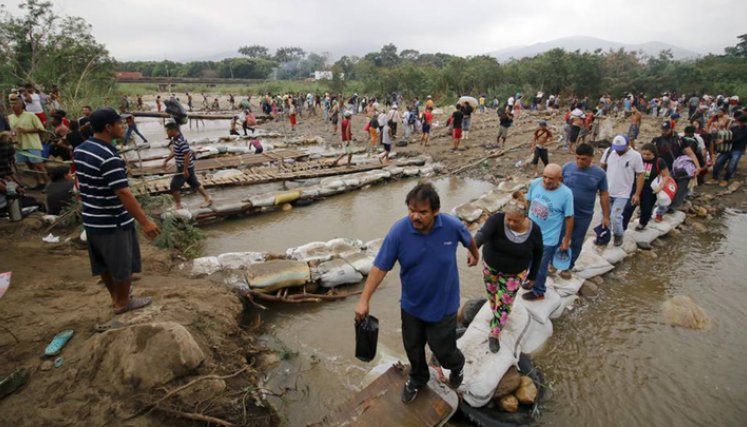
x,y
740,50
255,51
409,55
288,54
42,48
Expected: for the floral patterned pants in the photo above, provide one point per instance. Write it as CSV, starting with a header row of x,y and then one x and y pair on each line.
x,y
501,289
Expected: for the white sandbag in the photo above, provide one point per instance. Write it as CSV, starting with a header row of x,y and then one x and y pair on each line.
x,y
367,179
227,173
335,273
611,253
351,181
362,262
491,202
332,182
277,274
314,251
662,227
238,260
310,192
511,186
468,212
236,281
49,219
205,266
675,219
331,191
395,170
373,246
411,171
646,236
567,304
262,200
589,264
540,310
238,150
342,246
185,214
235,207
385,174
426,170
565,287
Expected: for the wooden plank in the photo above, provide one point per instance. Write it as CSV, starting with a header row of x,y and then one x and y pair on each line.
x,y
380,404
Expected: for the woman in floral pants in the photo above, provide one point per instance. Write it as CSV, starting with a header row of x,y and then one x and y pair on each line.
x,y
512,252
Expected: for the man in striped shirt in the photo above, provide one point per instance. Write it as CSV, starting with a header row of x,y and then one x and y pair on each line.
x,y
110,210
185,165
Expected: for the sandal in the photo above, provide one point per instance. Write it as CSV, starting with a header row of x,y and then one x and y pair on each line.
x,y
112,324
207,204
58,342
134,304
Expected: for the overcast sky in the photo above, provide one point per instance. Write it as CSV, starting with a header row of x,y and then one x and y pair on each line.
x,y
197,29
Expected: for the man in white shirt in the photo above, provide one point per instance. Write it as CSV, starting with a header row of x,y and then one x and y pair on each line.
x,y
624,167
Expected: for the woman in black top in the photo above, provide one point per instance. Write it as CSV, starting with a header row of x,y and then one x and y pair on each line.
x,y
511,255
653,166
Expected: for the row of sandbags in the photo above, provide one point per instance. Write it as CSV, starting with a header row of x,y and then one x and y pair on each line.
x,y
327,187
330,264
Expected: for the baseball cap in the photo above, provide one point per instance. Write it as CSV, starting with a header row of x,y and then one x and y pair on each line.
x,y
666,124
603,235
620,142
562,259
171,123
103,116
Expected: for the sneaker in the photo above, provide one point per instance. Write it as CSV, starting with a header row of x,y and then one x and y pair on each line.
x,y
639,227
659,218
494,344
531,296
566,275
618,240
455,378
409,392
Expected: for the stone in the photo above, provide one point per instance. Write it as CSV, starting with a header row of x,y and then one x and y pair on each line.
x,y
508,403
698,227
46,365
700,212
649,254
509,383
526,394
143,356
287,206
675,232
598,280
682,311
202,391
589,289
643,245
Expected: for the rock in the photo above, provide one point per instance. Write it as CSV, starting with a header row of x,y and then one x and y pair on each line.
x,y
143,356
526,394
649,254
469,310
509,383
202,391
644,245
734,186
708,197
682,311
589,289
287,206
675,232
508,403
698,227
658,243
700,212
46,365
598,280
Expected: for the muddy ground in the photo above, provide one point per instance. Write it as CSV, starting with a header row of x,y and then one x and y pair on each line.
x,y
193,329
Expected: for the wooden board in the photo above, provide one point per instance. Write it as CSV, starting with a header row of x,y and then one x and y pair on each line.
x,y
380,404
225,162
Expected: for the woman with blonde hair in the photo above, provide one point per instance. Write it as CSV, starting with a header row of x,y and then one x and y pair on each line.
x,y
512,252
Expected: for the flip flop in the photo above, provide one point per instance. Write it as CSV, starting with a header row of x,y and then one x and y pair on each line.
x,y
14,381
58,342
207,204
112,324
134,304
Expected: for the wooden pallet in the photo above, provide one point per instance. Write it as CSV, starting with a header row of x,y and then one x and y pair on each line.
x,y
226,162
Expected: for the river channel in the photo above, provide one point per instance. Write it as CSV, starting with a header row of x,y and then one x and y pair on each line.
x,y
614,361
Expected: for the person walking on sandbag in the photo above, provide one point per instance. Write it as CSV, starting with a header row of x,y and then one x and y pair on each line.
x,y
425,244
511,252
185,165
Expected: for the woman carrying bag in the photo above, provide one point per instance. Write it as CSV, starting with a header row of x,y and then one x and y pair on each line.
x,y
512,254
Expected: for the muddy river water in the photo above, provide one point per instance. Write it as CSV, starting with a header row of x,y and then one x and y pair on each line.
x,y
613,361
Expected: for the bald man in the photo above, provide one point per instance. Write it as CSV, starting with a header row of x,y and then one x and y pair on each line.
x,y
550,207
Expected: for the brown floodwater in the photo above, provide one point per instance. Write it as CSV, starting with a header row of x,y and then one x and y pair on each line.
x,y
613,361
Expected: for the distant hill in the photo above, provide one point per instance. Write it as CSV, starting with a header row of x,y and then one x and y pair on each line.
x,y
589,44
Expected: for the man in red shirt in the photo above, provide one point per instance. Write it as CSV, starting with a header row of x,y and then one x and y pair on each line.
x,y
427,120
347,139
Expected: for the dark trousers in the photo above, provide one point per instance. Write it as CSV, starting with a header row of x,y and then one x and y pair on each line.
x,y
647,202
441,338
580,227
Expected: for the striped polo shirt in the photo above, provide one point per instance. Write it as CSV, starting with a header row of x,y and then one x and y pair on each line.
x,y
180,146
100,171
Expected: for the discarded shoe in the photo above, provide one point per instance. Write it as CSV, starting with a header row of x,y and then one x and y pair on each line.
x,y
14,381
58,342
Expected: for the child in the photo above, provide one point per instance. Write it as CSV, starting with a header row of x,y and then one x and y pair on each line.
x,y
292,116
539,146
506,120
456,123
347,137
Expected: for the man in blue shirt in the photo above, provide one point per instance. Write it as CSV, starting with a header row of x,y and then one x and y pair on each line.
x,y
585,181
110,210
551,207
425,244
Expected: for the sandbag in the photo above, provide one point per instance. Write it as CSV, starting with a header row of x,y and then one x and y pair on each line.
x,y
236,281
511,186
675,219
565,287
662,227
373,246
185,214
491,202
310,192
238,260
335,273
427,170
468,212
230,208
395,170
286,197
276,274
342,246
411,171
540,310
205,266
314,251
360,261
332,182
567,303
589,265
330,191
351,181
262,200
645,236
611,253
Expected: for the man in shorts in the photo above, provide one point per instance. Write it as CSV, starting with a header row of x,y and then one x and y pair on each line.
x,y
635,125
110,210
456,124
427,122
185,165
539,146
347,139
27,128
506,119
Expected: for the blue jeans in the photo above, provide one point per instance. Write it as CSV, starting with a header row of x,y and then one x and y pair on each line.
x,y
580,227
129,133
732,158
617,207
539,283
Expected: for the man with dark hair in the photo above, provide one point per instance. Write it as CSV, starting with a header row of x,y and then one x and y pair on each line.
x,y
732,157
110,210
185,165
84,122
28,129
59,191
425,244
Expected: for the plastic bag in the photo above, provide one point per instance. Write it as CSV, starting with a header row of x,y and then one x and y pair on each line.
x,y
366,338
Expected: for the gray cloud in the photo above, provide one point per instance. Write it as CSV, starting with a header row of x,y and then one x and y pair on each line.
x,y
191,29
